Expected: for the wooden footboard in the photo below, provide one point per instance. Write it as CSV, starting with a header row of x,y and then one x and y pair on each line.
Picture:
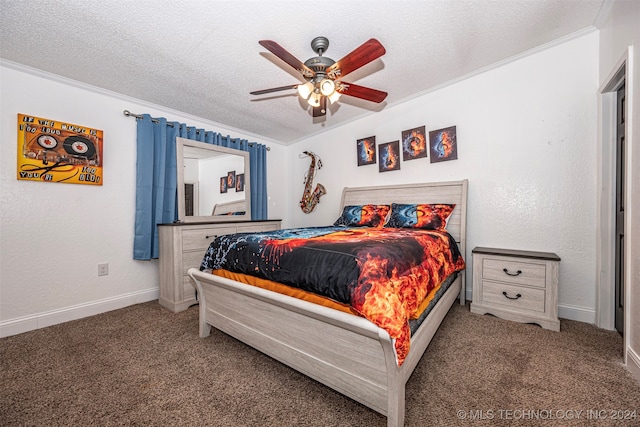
x,y
345,352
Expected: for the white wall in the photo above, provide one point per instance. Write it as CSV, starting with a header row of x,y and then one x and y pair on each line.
x,y
53,235
527,143
620,32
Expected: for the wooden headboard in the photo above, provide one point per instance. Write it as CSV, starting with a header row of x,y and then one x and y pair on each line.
x,y
452,192
229,207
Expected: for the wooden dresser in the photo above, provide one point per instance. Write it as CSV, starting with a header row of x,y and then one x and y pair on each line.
x,y
182,247
516,285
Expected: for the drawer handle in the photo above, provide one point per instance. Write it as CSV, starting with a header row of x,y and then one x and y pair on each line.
x,y
508,297
517,273
208,237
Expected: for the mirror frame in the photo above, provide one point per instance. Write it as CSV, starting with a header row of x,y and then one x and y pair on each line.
x,y
183,142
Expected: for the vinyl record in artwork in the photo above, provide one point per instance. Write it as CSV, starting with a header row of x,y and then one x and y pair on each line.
x,y
79,146
48,142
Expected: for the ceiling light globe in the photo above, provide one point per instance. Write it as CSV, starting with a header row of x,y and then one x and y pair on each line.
x,y
327,87
314,99
334,97
305,90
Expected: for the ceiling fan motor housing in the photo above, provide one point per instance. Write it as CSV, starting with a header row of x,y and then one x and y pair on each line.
x,y
319,63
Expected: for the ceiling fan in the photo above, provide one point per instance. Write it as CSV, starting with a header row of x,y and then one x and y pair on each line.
x,y
323,75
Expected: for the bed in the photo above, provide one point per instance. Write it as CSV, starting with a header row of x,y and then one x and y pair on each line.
x,y
343,351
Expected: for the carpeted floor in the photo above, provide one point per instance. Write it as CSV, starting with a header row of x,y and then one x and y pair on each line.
x,y
146,366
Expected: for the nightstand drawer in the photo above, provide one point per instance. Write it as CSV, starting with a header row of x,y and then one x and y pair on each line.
x,y
518,297
517,272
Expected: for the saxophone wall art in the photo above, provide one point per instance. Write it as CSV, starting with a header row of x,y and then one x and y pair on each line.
x,y
311,197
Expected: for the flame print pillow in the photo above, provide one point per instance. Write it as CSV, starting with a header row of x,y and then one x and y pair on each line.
x,y
427,217
363,216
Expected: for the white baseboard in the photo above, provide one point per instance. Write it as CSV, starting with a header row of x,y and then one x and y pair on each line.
x,y
579,314
633,363
54,317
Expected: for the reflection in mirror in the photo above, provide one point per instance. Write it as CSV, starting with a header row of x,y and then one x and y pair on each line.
x,y
213,182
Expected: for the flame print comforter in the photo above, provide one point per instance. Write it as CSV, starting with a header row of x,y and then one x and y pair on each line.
x,y
382,273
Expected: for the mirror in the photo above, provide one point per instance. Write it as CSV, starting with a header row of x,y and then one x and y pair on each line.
x,y
213,182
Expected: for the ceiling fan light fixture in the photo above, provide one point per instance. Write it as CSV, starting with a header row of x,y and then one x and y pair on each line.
x,y
320,74
314,99
327,87
305,90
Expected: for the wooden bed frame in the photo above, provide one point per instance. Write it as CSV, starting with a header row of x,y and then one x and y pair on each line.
x,y
345,352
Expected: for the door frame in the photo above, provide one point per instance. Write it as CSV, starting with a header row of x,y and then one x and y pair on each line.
x,y
605,259
620,208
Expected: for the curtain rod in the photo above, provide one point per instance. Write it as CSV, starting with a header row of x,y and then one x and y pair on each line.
x,y
139,116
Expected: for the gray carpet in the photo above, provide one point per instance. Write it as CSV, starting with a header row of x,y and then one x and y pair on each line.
x,y
146,366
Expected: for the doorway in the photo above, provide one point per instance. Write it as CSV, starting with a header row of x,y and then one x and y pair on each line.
x,y
612,194
188,199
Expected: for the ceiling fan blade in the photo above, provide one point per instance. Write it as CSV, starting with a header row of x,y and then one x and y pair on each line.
x,y
281,53
321,110
370,50
361,92
274,89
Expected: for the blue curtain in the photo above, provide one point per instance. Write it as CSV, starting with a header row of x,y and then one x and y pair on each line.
x,y
156,186
155,183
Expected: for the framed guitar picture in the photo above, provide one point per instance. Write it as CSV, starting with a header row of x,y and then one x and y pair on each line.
x,y
366,149
389,156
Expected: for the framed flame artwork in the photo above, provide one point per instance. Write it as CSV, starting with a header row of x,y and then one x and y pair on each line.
x,y
443,144
389,156
414,143
366,149
240,182
53,151
231,179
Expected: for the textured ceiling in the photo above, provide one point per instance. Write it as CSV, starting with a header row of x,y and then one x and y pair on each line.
x,y
202,57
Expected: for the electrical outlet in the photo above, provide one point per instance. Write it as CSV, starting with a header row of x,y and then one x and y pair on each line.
x,y
103,269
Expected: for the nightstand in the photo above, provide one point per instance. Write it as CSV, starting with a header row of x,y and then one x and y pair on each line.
x,y
521,286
